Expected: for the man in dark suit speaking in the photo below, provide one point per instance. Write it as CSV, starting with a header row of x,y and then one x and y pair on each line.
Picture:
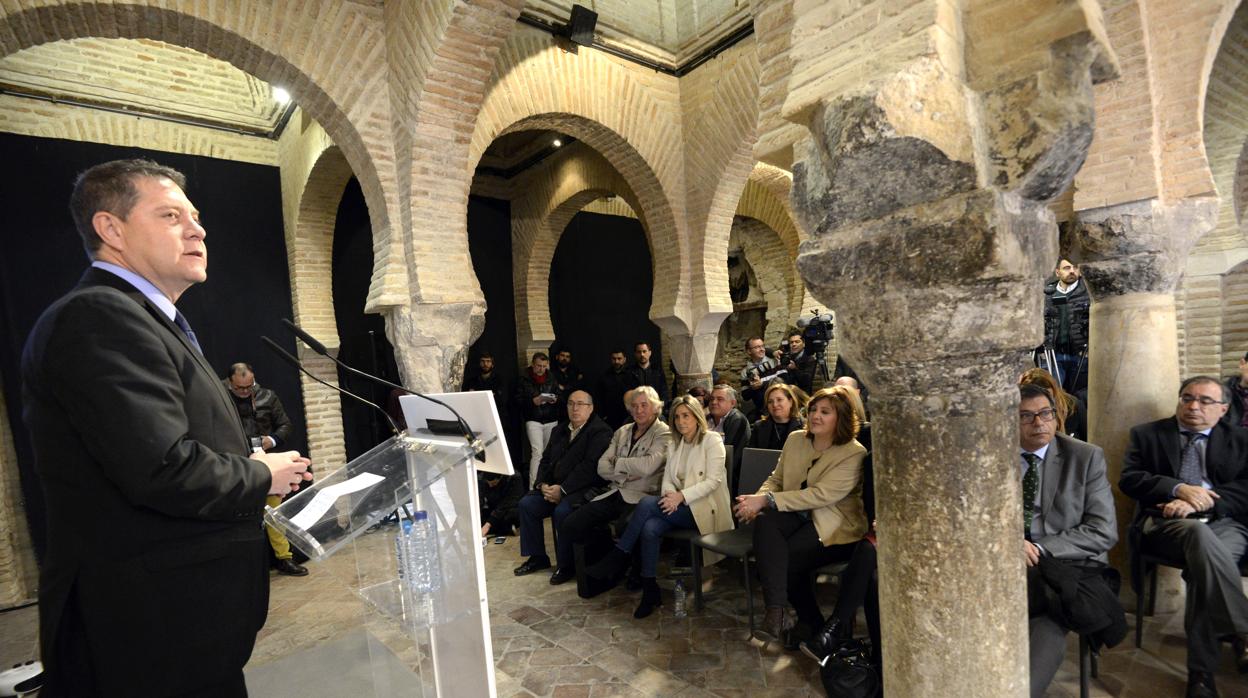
x,y
1189,474
155,580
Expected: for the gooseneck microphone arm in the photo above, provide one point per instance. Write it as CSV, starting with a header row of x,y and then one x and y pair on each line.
x,y
297,364
319,348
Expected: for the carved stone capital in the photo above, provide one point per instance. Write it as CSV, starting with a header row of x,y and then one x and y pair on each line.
x,y
431,342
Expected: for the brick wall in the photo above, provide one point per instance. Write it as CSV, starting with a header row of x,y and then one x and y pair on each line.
x,y
1226,131
1200,314
18,573
1235,319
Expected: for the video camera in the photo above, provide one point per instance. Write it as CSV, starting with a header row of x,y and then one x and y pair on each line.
x,y
816,332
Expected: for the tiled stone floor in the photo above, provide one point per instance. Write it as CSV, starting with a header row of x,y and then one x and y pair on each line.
x,y
549,642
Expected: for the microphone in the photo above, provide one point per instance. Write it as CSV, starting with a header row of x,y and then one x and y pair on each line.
x,y
319,348
297,364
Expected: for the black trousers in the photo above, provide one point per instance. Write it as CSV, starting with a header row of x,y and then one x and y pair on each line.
x,y
788,550
860,588
589,519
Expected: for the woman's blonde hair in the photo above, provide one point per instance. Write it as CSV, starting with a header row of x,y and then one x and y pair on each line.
x,y
695,408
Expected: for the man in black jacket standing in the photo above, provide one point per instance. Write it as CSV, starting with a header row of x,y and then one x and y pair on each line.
x,y
155,579
1066,305
647,372
568,469
1237,392
609,394
1189,464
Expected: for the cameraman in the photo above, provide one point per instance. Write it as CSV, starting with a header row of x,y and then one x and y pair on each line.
x,y
760,370
799,365
1066,305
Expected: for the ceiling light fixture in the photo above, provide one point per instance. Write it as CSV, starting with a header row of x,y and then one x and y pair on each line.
x,y
557,143
280,95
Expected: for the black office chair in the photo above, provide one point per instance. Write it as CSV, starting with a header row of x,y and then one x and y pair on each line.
x,y
757,464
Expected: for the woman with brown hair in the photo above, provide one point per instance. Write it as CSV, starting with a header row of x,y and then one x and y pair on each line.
x,y
1072,415
783,417
809,513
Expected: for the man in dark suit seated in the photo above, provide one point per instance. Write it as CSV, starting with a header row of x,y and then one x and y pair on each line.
x,y
1189,474
724,417
155,579
1068,516
568,470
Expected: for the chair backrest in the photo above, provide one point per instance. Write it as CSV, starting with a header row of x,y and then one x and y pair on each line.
x,y
757,465
729,467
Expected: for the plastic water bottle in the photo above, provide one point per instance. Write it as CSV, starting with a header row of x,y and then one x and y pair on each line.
x,y
423,551
679,593
402,558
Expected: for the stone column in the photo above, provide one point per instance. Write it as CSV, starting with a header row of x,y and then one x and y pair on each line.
x,y
928,233
1132,256
431,342
693,353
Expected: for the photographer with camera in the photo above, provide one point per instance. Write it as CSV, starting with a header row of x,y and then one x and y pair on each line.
x,y
799,364
760,370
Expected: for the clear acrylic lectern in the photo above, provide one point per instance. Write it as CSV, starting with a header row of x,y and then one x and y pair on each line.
x,y
449,624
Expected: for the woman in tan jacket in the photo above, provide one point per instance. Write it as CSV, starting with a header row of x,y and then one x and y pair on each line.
x,y
694,495
809,512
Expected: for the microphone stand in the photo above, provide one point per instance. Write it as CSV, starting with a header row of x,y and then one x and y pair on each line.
x,y
319,348
299,365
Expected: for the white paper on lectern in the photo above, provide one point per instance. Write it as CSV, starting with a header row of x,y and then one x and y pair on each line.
x,y
477,408
321,503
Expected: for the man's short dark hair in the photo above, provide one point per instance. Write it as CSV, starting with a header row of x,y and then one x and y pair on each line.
x,y
485,355
539,356
1063,259
1027,391
638,344
110,187
616,350
1198,380
751,339
1246,356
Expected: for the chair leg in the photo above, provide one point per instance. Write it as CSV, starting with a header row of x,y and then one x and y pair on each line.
x,y
1096,669
749,592
1152,591
1085,667
1139,615
695,559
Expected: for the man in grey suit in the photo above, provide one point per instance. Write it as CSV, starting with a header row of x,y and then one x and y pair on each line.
x,y
1189,474
1068,514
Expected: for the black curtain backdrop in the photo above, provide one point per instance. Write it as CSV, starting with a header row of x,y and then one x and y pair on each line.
x,y
246,295
489,243
601,282
362,336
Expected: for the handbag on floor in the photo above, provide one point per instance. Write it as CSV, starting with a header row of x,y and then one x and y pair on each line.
x,y
849,671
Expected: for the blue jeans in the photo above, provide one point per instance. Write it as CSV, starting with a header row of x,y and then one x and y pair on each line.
x,y
533,508
648,524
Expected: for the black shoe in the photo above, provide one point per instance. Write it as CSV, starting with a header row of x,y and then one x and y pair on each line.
x,y
633,582
1200,685
651,598
610,567
824,641
776,623
561,575
289,568
532,565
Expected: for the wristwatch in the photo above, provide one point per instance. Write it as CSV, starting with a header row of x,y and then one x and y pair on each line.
x,y
771,500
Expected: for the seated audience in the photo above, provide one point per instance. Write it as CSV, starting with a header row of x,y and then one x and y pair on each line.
x,y
782,418
727,421
538,397
1192,463
703,396
809,513
567,472
1072,415
632,465
499,495
1068,528
1237,394
694,495
567,378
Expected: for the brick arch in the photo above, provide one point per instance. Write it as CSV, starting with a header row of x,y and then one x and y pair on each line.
x,y
766,199
631,118
1239,194
311,252
553,195
775,270
270,42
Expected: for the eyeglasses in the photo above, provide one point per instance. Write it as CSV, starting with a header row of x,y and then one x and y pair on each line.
x,y
1045,415
243,388
579,403
1204,401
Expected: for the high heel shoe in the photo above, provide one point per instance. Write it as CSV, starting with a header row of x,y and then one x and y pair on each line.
x,y
651,598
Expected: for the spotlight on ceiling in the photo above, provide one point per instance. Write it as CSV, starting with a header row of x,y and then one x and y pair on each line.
x,y
557,143
280,95
580,27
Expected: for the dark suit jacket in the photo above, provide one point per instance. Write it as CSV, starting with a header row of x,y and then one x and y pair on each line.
x,y
155,580
574,466
1076,503
737,435
1151,467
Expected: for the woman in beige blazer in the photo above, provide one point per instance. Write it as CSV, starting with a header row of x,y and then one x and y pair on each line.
x,y
694,495
809,512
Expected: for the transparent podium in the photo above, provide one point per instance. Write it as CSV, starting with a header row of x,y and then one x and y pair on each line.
x,y
422,577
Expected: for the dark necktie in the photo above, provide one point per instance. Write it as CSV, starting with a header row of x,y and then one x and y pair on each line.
x,y
1031,484
1190,469
180,320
